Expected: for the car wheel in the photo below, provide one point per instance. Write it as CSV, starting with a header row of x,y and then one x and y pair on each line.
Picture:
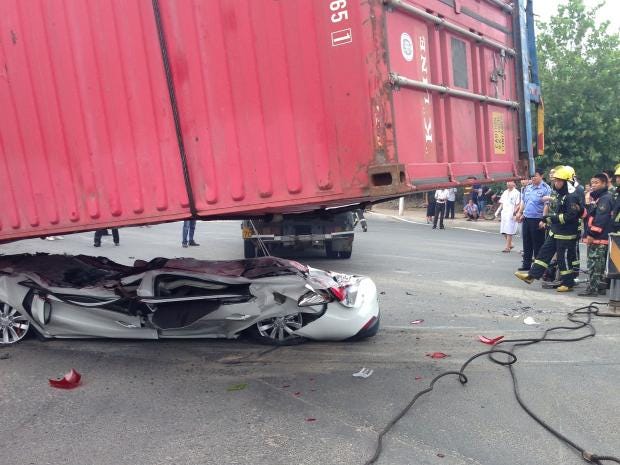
x,y
13,326
278,330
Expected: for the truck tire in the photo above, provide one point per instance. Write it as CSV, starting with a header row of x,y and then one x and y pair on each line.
x,y
328,250
337,254
346,254
249,251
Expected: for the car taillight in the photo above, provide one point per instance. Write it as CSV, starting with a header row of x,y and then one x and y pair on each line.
x,y
314,298
339,293
346,295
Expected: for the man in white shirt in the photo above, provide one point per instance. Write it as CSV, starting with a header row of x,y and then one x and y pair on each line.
x,y
441,198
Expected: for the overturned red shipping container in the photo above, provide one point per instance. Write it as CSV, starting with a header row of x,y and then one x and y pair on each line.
x,y
115,113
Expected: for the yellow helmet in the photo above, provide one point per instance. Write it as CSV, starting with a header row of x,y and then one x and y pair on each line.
x,y
564,172
617,173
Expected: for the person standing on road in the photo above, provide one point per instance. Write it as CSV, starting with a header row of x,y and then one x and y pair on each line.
x,y
564,225
99,233
450,203
484,199
598,225
441,197
430,207
530,214
508,205
189,226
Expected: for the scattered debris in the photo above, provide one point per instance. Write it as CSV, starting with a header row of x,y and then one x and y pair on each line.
x,y
382,292
363,373
418,377
417,322
488,295
437,355
69,381
284,386
490,340
5,356
237,387
310,419
409,293
440,455
530,321
297,394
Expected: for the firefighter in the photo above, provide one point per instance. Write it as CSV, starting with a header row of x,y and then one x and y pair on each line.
x,y
574,258
598,224
615,215
563,234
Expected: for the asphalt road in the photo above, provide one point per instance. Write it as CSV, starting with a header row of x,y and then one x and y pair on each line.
x,y
170,402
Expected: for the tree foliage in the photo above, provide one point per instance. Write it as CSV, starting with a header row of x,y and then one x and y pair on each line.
x,y
580,78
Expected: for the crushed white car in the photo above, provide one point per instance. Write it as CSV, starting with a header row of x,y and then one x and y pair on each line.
x,y
273,300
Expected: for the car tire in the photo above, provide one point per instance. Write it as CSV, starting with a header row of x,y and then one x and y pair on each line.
x,y
249,251
272,331
13,326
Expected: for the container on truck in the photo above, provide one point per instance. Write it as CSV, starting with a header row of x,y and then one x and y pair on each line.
x,y
125,113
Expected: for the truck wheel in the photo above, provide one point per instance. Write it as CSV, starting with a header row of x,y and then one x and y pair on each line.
x,y
249,251
346,254
328,250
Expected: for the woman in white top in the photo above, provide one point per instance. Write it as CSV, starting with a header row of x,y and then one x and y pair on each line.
x,y
508,203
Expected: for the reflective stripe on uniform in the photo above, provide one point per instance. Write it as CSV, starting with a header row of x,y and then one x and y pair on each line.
x,y
541,263
576,263
561,218
565,272
565,238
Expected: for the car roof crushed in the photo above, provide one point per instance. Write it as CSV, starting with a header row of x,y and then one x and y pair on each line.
x,y
83,270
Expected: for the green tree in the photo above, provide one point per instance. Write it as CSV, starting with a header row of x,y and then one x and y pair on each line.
x,y
580,78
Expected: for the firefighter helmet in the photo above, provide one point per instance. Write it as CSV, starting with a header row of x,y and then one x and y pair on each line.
x,y
565,173
617,172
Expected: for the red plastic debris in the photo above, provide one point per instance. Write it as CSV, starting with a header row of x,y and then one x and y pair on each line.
x,y
69,381
437,355
310,419
490,340
417,322
297,394
418,377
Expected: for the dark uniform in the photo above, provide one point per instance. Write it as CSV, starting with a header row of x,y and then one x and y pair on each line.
x,y
598,225
563,223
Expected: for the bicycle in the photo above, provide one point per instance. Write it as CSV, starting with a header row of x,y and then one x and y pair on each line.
x,y
489,211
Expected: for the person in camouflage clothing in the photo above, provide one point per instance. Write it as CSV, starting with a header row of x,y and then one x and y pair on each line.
x,y
598,224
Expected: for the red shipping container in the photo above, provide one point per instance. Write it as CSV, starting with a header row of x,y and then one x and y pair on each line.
x,y
116,113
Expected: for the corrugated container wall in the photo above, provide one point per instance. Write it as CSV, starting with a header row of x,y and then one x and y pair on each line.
x,y
118,113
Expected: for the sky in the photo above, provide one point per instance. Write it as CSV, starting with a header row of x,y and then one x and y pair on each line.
x,y
611,11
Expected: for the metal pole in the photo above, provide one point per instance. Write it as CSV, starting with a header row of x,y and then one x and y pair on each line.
x,y
407,8
402,81
401,206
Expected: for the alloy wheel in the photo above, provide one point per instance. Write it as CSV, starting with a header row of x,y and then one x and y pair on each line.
x,y
281,328
13,326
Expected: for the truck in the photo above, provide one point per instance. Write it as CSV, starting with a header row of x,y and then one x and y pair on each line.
x,y
130,113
